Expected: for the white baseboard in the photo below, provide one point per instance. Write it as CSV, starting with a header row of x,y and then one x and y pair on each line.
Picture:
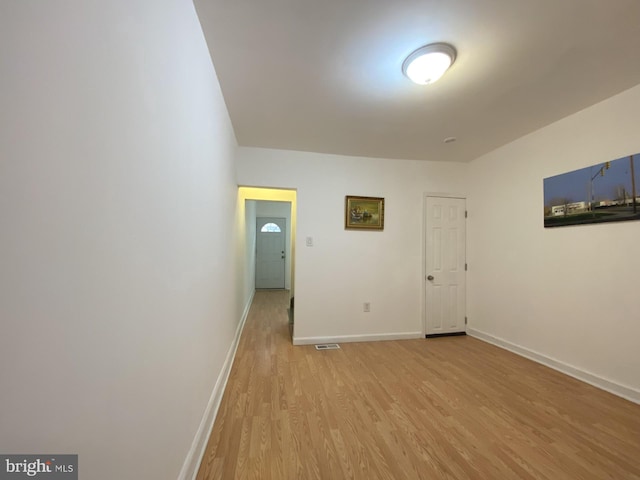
x,y
376,337
196,452
623,391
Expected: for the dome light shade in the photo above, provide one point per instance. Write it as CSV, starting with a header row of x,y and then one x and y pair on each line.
x,y
427,64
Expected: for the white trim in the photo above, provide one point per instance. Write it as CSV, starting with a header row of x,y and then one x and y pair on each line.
x,y
445,195
376,337
628,393
196,452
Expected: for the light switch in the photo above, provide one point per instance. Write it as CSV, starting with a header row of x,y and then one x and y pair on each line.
x,y
309,241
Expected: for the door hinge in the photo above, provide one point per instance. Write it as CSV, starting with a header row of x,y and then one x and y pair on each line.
x,y
466,214
465,320
465,267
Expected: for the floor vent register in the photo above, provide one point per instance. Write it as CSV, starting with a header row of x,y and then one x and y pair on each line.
x,y
328,346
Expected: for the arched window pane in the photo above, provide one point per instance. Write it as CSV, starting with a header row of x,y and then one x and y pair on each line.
x,y
270,228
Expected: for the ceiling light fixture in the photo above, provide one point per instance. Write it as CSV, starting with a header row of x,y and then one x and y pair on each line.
x,y
427,64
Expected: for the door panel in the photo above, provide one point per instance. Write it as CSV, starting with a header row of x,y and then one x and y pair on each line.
x,y
445,257
270,252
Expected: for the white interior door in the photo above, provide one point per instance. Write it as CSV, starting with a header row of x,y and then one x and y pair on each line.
x,y
270,252
445,265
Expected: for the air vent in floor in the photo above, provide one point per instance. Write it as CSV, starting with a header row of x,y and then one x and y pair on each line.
x,y
328,346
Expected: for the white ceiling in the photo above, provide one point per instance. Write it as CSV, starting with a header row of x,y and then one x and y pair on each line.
x,y
325,75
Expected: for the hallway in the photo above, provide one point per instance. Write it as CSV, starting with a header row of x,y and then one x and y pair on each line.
x,y
446,408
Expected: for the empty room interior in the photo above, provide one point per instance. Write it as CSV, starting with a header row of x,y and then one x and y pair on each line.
x,y
194,195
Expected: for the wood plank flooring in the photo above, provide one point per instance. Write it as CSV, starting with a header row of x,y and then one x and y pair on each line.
x,y
445,408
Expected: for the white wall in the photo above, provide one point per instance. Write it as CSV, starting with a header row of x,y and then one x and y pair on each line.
x,y
250,250
279,210
568,294
117,197
346,268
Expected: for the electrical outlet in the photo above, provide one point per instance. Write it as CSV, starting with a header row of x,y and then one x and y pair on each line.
x,y
309,241
366,307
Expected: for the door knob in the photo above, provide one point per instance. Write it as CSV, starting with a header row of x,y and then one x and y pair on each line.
x,y
430,277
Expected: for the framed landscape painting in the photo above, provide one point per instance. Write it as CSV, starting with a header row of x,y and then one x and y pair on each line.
x,y
605,192
363,213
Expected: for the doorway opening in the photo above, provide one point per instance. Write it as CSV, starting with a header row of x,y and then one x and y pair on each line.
x,y
270,228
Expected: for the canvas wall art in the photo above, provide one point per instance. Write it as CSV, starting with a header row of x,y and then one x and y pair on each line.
x,y
605,192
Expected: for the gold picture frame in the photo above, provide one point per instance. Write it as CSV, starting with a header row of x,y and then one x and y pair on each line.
x,y
363,213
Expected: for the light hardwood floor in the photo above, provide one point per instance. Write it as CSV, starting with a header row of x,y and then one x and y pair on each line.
x,y
445,408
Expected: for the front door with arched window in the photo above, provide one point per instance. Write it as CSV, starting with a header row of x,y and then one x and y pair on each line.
x,y
270,252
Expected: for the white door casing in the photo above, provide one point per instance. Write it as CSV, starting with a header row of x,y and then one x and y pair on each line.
x,y
445,265
270,252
